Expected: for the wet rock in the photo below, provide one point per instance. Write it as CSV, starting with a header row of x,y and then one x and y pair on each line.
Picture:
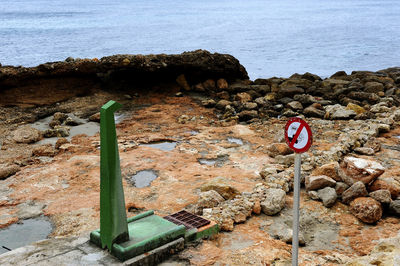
x,y
312,111
208,103
290,91
182,82
340,187
8,170
357,169
209,199
222,104
295,105
60,117
44,150
366,209
222,84
71,122
95,117
58,131
337,111
328,196
394,207
222,187
318,182
374,87
355,191
243,97
26,134
247,115
275,149
386,183
382,195
330,169
274,201
364,151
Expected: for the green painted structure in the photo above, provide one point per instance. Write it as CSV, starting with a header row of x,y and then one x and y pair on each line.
x,y
128,238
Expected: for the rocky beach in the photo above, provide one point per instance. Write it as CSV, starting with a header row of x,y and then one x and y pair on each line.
x,y
195,133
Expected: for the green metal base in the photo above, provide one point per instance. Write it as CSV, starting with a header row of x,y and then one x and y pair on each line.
x,y
146,232
203,232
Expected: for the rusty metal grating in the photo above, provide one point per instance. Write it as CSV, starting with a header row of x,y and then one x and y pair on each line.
x,y
187,219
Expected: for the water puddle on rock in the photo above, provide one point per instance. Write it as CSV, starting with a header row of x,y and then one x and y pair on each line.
x,y
208,161
218,162
143,178
22,234
161,145
235,141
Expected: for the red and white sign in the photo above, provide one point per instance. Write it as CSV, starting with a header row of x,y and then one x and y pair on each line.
x,y
298,135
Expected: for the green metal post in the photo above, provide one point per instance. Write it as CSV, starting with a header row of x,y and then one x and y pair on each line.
x,y
113,221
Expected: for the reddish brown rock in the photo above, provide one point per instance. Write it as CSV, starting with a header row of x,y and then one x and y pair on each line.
x,y
278,149
257,207
318,182
357,169
26,134
330,169
366,209
387,184
8,170
222,84
44,150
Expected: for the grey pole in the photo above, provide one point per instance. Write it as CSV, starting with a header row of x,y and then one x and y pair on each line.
x,y
296,206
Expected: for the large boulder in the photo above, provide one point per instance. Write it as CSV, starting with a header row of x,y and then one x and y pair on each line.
x,y
318,182
358,169
366,209
274,201
357,190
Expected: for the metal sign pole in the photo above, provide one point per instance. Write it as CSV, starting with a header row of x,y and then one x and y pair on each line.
x,y
296,207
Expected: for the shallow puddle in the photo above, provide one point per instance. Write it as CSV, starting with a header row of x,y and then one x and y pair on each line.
x,y
22,234
207,161
143,178
235,140
161,145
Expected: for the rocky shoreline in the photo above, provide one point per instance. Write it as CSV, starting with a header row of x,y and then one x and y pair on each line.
x,y
350,177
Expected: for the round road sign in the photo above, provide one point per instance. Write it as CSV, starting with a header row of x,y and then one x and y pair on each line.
x,y
298,135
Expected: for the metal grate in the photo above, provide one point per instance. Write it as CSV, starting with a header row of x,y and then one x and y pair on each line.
x,y
187,219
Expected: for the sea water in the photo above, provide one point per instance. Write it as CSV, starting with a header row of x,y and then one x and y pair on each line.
x,y
270,37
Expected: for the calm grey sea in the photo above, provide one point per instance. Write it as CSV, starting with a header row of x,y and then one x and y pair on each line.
x,y
270,38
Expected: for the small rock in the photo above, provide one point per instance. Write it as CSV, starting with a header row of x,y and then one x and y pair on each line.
x,y
222,84
222,187
356,108
295,105
60,116
387,183
257,207
247,115
382,195
199,87
274,201
336,112
340,187
209,199
330,169
95,117
366,209
275,149
285,159
243,97
179,94
394,207
374,87
60,142
209,85
356,190
227,225
290,91
364,151
314,112
222,104
328,196
8,170
313,194
61,131
71,122
26,134
249,106
183,119
318,182
208,103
